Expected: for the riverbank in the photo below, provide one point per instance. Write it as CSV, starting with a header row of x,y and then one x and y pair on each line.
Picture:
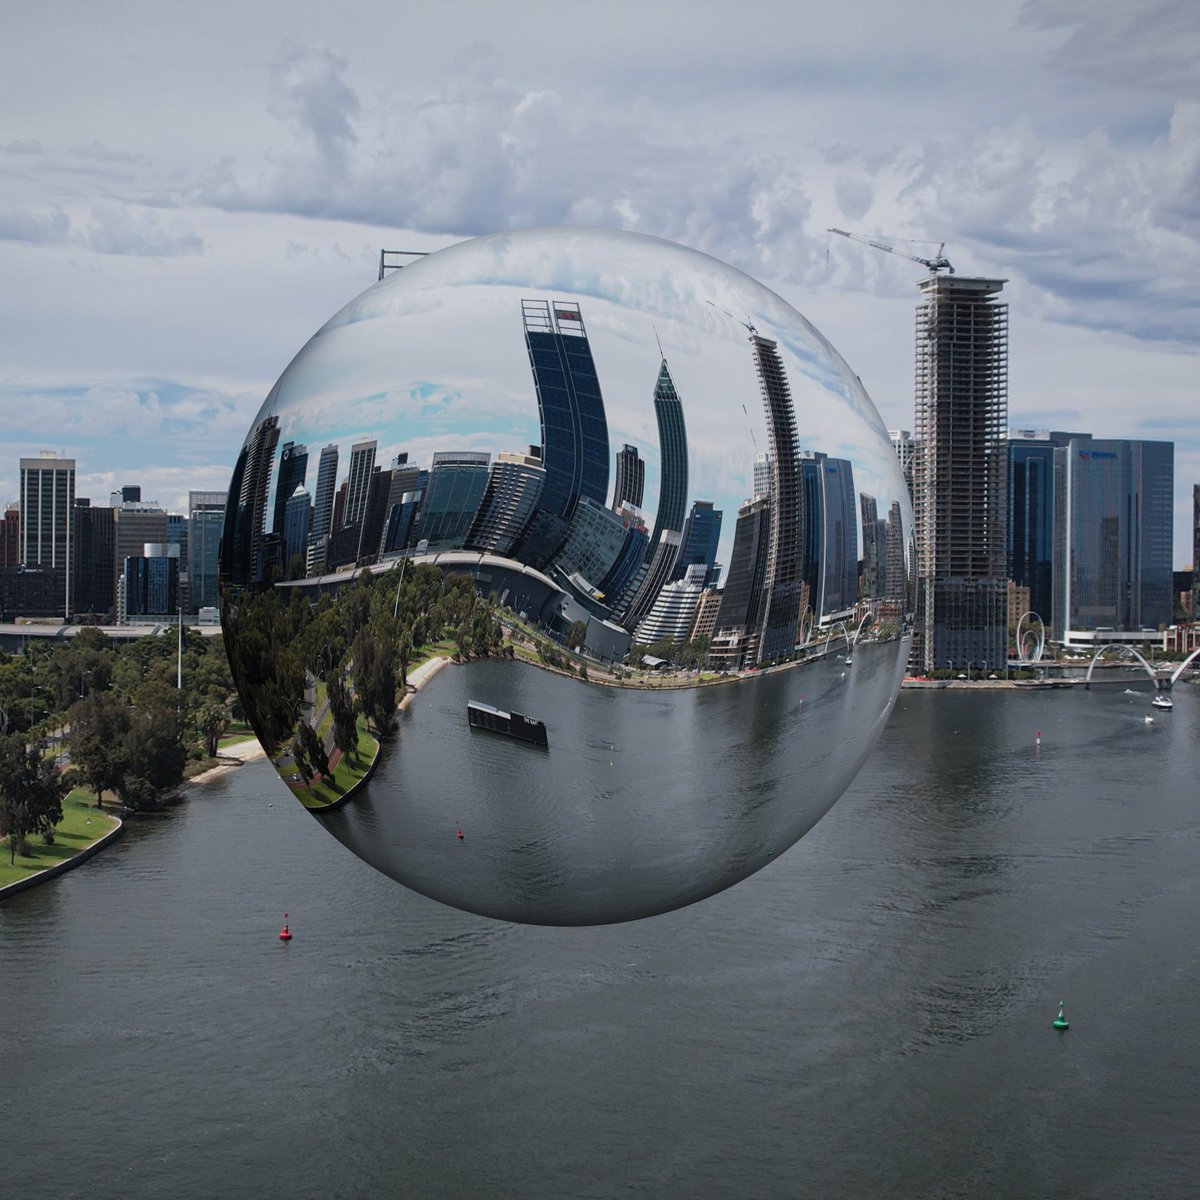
x,y
82,832
419,675
231,757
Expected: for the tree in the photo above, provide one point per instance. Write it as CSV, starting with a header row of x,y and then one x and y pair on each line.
x,y
343,708
374,679
212,719
97,741
314,750
154,749
576,635
31,792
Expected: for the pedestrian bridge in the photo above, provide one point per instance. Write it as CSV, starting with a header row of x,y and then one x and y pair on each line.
x,y
1162,679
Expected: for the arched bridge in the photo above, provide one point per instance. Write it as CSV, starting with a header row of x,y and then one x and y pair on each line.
x,y
1162,681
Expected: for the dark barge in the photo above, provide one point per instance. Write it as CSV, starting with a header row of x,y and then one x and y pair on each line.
x,y
511,724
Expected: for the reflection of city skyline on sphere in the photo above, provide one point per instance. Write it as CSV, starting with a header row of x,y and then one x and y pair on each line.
x,y
534,446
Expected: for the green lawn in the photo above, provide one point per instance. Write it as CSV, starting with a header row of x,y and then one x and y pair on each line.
x,y
82,824
345,774
235,737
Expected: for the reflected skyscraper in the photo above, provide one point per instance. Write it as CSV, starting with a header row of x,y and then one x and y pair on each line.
x,y
673,458
698,544
457,483
322,521
293,471
631,478
358,482
245,516
573,425
735,633
784,583
513,490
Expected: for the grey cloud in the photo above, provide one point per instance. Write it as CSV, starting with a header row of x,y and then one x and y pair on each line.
x,y
107,154
41,228
23,146
854,196
311,95
121,230
1148,44
481,155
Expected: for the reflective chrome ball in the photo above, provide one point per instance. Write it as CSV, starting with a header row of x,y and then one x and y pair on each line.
x,y
567,575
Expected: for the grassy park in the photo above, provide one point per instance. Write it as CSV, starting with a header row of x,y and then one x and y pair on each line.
x,y
82,824
347,771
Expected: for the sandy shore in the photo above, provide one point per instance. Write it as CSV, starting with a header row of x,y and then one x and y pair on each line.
x,y
235,756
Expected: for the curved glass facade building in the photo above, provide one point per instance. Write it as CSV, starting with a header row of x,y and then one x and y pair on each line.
x,y
673,458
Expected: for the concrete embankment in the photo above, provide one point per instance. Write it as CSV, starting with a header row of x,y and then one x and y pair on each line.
x,y
67,864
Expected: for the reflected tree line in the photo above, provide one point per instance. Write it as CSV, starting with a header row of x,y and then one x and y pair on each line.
x,y
307,672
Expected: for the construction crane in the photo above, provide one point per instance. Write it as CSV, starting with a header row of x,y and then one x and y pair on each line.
x,y
938,263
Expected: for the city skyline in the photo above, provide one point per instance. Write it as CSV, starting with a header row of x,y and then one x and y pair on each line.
x,y
164,287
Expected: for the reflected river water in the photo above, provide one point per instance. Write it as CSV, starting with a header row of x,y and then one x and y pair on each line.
x,y
869,1015
643,801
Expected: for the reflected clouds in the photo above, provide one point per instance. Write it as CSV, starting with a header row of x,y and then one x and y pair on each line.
x,y
631,495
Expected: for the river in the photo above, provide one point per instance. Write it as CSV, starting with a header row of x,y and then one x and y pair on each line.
x,y
869,1015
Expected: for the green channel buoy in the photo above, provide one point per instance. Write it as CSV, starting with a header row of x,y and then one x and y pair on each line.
x,y
1061,1022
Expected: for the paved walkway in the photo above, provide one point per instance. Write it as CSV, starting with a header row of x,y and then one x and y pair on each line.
x,y
420,675
242,752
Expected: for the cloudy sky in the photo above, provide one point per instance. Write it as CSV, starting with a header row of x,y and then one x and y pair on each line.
x,y
188,192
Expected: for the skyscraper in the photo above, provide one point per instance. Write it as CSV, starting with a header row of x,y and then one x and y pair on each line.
x,y
404,480
1112,552
513,490
136,524
594,542
657,573
762,475
871,575
206,515
358,482
10,536
574,428
457,483
839,565
960,471
94,549
47,527
246,512
1030,549
322,522
783,584
631,478
297,521
293,470
674,609
1195,551
905,448
698,543
735,633
673,458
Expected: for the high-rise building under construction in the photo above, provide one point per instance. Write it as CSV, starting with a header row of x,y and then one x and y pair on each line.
x,y
960,472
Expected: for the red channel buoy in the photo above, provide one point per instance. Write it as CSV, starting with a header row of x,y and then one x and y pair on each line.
x,y
285,934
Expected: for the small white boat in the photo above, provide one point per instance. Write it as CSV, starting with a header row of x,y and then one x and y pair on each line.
x,y
1162,700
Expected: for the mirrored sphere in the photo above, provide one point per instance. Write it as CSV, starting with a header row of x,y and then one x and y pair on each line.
x,y
567,575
